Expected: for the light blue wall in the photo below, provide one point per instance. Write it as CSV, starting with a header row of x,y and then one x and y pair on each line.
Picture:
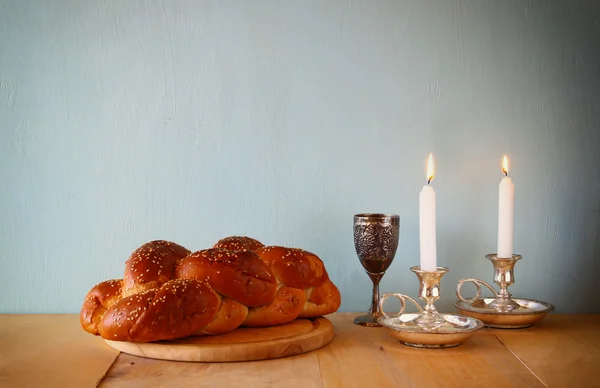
x,y
126,121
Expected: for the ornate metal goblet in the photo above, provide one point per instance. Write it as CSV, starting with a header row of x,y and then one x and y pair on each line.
x,y
375,241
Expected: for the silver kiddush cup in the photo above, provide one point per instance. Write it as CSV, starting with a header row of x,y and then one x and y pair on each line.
x,y
375,241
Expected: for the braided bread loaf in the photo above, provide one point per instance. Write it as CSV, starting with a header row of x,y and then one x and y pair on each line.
x,y
168,292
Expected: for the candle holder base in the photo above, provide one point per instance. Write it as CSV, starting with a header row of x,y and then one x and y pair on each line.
x,y
501,311
455,330
503,304
428,328
527,314
429,321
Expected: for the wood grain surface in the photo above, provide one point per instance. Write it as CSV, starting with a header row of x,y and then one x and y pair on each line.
x,y
562,350
356,357
50,351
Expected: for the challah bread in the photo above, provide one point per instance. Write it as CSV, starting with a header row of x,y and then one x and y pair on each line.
x,y
242,275
230,316
241,278
321,300
239,243
303,270
285,307
294,267
310,292
151,265
176,309
98,299
168,292
147,268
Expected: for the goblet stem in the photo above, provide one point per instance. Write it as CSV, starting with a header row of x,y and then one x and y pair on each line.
x,y
375,278
370,319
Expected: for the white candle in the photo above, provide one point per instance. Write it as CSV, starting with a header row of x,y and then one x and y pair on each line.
x,y
506,210
427,222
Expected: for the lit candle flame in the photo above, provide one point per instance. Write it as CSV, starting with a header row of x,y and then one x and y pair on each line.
x,y
505,165
430,169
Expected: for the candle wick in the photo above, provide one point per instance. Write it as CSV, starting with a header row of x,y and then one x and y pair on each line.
x,y
429,181
505,173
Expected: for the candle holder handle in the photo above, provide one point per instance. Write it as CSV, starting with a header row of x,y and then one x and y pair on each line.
x,y
402,298
478,283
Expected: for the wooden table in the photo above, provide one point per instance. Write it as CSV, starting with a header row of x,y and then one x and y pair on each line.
x,y
560,351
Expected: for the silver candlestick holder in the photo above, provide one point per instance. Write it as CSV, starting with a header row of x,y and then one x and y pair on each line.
x,y
429,291
502,310
428,328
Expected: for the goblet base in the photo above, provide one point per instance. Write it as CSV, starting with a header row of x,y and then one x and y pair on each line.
x,y
369,320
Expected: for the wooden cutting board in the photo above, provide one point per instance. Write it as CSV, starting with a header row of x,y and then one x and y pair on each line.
x,y
243,344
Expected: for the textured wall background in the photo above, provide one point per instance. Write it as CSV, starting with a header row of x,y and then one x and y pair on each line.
x,y
126,121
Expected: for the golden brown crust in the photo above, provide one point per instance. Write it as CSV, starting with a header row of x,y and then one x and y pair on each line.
x,y
98,299
230,316
242,275
151,265
177,309
294,267
239,243
285,307
322,300
303,270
